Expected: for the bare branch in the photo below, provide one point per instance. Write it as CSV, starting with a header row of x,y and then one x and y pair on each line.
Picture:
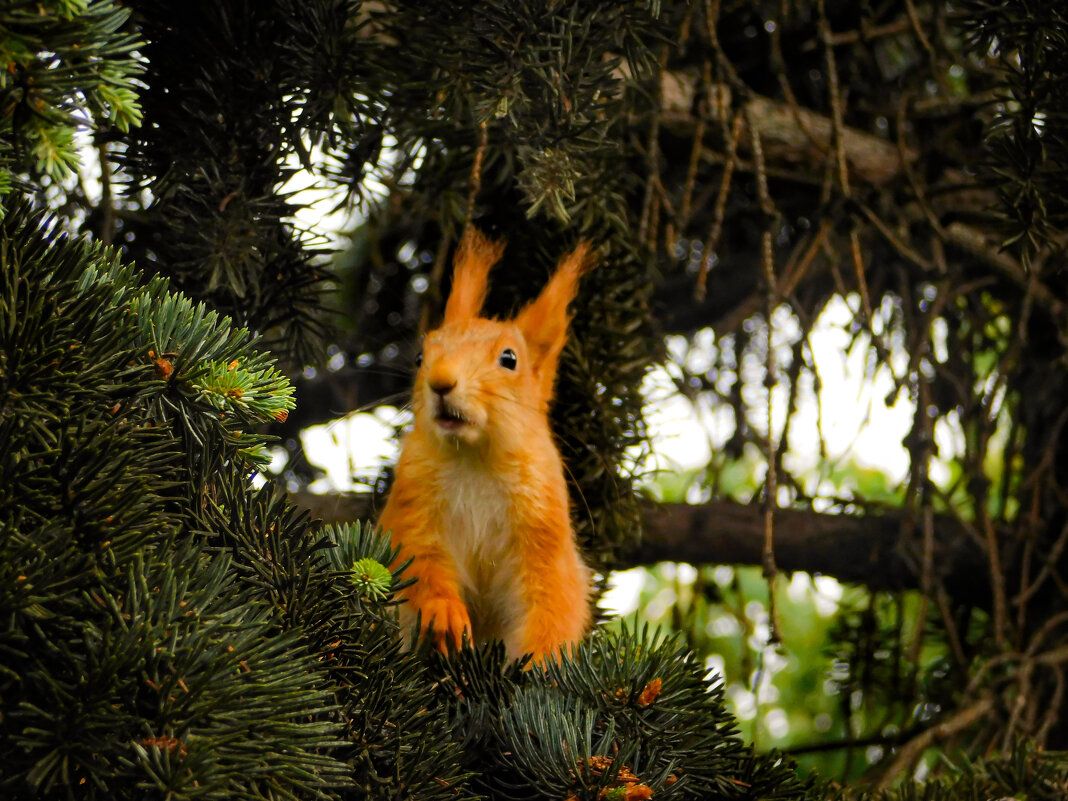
x,y
795,136
912,750
880,551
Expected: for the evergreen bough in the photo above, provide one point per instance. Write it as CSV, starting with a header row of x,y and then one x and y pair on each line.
x,y
629,712
165,627
65,65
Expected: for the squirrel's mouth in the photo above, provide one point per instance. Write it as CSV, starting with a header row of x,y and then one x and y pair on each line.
x,y
450,418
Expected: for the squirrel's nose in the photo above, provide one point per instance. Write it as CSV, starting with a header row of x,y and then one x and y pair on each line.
x,y
443,387
442,380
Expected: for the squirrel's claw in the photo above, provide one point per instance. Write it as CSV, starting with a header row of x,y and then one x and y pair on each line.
x,y
446,619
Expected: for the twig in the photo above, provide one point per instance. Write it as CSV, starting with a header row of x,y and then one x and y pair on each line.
x,y
903,249
921,479
792,274
647,228
837,128
910,174
852,37
951,627
475,180
770,483
914,21
778,64
1054,656
1049,565
691,173
1044,631
975,244
719,210
1054,707
833,89
1022,693
848,742
724,63
859,273
912,750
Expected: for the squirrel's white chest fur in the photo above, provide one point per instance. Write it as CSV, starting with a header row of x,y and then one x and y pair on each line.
x,y
479,538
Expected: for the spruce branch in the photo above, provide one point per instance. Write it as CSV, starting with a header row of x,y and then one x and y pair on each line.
x,y
67,65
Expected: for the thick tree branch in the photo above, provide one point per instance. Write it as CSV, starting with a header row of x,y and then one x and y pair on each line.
x,y
879,551
789,135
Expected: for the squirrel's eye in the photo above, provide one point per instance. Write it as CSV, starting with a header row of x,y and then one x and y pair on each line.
x,y
508,359
419,359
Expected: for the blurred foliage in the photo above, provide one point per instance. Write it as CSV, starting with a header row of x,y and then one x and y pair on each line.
x,y
838,690
68,66
801,695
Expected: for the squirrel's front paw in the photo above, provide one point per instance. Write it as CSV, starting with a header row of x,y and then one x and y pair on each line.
x,y
446,619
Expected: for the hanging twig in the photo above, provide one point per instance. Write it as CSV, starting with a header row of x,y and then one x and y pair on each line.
x,y
952,634
724,63
770,482
778,65
837,128
917,28
720,209
691,172
919,485
997,579
1053,708
648,227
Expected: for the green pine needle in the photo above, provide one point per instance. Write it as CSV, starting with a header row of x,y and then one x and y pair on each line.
x,y
67,65
262,392
372,579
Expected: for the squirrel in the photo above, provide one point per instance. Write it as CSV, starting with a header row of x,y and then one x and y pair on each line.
x,y
479,503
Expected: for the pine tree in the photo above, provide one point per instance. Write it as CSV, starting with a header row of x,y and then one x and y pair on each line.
x,y
130,658
169,629
66,63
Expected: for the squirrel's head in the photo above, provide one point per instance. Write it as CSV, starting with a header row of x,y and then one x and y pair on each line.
x,y
486,380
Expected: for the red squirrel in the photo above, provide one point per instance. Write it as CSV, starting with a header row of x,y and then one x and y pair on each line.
x,y
479,502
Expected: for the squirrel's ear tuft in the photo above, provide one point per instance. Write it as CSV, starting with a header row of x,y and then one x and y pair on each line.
x,y
544,321
475,256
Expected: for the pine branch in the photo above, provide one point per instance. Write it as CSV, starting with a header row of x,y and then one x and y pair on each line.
x,y
66,66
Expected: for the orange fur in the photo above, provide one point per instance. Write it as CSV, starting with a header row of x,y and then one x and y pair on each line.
x,y
475,256
479,503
